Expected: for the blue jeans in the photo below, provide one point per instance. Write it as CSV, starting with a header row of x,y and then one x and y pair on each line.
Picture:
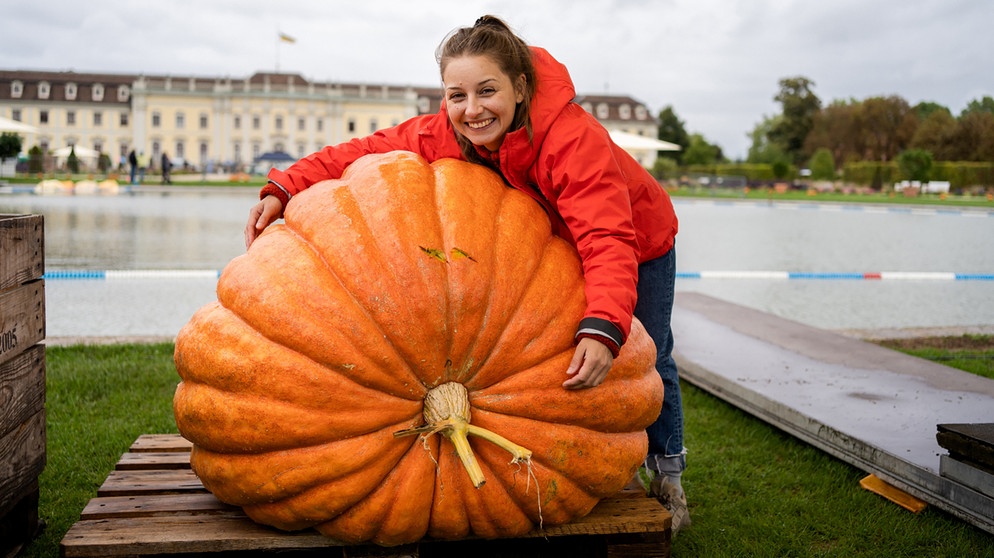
x,y
656,284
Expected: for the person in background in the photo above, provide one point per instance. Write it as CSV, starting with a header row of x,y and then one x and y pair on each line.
x,y
509,107
133,163
167,166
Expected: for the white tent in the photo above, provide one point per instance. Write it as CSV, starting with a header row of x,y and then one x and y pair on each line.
x,y
634,142
81,152
642,148
8,125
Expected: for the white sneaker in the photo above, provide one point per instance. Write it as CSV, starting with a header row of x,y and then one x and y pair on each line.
x,y
672,498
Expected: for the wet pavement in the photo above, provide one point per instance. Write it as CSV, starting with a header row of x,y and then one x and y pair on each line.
x,y
870,406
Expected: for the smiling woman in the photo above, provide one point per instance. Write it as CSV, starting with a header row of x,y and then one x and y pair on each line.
x,y
510,107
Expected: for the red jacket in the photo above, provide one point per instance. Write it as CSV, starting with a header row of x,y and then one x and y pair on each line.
x,y
598,197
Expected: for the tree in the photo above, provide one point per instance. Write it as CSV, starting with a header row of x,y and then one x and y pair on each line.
x,y
72,161
10,146
974,136
888,124
936,134
838,128
800,105
915,164
925,109
35,160
103,162
700,152
671,129
982,105
822,165
762,149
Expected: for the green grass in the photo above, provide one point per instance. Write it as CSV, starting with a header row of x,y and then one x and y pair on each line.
x,y
99,400
973,353
762,194
753,490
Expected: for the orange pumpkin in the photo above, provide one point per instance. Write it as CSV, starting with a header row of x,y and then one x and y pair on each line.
x,y
401,301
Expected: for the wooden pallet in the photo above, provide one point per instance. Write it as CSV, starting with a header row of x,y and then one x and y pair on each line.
x,y
152,504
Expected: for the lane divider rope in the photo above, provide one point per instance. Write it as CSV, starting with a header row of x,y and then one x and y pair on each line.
x,y
766,275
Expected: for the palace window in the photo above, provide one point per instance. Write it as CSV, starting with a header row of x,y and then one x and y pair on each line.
x,y
98,92
44,89
71,91
16,89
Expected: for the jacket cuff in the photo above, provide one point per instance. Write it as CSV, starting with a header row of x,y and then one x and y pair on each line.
x,y
273,188
600,330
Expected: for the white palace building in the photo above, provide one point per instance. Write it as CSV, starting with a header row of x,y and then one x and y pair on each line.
x,y
228,123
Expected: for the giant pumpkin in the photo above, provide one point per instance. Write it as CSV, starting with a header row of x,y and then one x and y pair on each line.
x,y
387,364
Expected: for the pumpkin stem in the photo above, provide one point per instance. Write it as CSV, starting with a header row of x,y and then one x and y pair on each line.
x,y
447,412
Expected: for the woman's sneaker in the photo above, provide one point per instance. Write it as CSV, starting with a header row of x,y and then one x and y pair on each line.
x,y
670,495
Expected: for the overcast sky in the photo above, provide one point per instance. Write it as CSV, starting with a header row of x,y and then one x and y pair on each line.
x,y
716,62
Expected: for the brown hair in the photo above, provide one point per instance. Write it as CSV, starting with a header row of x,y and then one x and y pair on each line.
x,y
493,38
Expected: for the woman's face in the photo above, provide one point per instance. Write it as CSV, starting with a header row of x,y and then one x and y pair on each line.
x,y
481,99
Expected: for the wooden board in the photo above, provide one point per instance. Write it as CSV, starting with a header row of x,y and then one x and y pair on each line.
x,y
153,504
22,318
22,249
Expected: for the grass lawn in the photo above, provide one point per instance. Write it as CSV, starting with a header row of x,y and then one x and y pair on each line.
x,y
754,491
763,194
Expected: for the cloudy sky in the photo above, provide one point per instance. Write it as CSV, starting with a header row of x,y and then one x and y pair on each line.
x,y
716,62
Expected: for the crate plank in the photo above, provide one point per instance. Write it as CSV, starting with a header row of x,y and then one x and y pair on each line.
x,y
22,388
23,459
22,243
161,443
137,483
153,461
22,318
182,534
156,505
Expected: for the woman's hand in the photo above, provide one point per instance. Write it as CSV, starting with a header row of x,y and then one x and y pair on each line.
x,y
261,216
591,362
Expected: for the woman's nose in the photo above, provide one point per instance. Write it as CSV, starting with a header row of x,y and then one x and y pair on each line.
x,y
473,106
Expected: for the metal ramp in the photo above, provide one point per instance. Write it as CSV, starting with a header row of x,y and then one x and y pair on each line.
x,y
869,406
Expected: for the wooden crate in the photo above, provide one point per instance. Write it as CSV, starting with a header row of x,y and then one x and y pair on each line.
x,y
22,376
153,504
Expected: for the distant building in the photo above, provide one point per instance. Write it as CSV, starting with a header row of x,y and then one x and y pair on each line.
x,y
229,122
